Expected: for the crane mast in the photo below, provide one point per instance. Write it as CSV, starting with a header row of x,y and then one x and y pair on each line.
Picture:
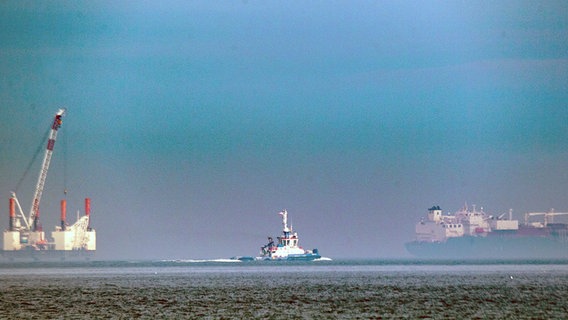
x,y
34,211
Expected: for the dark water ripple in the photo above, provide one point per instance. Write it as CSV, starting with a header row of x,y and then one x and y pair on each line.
x,y
332,292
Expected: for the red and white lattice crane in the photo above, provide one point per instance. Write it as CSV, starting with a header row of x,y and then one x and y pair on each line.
x,y
31,222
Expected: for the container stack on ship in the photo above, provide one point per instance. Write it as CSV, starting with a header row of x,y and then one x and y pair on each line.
x,y
25,239
473,234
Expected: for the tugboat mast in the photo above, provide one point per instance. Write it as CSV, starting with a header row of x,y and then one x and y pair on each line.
x,y
284,215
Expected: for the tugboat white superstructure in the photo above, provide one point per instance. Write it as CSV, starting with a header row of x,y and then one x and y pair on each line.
x,y
287,247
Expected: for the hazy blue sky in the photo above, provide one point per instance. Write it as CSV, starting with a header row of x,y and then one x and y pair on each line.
x,y
191,124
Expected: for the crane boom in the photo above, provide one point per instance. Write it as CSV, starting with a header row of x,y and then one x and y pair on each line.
x,y
34,211
548,216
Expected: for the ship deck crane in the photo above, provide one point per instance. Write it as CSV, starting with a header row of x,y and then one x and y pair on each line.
x,y
548,216
34,211
31,222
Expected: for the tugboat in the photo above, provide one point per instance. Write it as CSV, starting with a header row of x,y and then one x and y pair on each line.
x,y
286,248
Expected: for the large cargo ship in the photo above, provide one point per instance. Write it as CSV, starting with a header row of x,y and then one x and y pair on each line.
x,y
475,234
25,240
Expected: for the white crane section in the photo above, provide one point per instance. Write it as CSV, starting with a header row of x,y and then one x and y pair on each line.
x,y
21,212
80,230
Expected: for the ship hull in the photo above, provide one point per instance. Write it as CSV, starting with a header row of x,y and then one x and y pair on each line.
x,y
292,257
45,255
473,247
302,257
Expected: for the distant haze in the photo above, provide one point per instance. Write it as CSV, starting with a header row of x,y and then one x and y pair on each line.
x,y
191,124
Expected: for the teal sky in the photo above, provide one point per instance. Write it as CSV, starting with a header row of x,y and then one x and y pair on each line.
x,y
191,125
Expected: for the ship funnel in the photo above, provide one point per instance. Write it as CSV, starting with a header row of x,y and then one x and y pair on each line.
x,y
87,206
12,213
88,211
63,214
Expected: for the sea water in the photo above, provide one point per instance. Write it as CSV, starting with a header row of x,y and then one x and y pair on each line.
x,y
341,289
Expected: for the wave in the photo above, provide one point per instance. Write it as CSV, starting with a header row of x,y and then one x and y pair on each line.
x,y
223,260
323,259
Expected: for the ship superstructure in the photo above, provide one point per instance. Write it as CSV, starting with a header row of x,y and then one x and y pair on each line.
x,y
477,234
438,227
25,237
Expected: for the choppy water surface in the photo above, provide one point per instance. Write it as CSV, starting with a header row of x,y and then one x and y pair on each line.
x,y
344,289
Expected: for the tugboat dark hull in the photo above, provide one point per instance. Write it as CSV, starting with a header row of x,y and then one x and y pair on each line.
x,y
303,257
